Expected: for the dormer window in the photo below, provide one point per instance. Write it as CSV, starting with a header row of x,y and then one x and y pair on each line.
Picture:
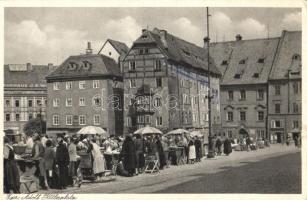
x,y
261,60
242,62
141,51
256,75
224,62
87,65
296,57
186,52
237,76
72,66
144,36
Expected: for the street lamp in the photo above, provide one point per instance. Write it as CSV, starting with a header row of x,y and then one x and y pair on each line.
x,y
207,41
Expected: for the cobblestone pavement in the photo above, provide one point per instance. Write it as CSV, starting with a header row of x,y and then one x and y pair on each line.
x,y
276,169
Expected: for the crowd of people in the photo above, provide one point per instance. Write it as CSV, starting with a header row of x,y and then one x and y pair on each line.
x,y
57,159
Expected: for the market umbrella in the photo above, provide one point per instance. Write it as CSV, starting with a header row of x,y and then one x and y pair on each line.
x,y
148,130
92,130
178,131
196,133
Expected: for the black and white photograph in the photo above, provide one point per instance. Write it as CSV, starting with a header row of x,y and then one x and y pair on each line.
x,y
152,100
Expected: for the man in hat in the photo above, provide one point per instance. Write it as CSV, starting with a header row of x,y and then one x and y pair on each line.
x,y
38,154
62,161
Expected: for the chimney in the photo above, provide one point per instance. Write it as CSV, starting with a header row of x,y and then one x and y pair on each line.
x,y
206,42
50,66
89,50
163,34
29,67
238,37
144,30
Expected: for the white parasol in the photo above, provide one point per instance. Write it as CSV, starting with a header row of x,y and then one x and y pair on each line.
x,y
92,130
196,133
148,130
178,131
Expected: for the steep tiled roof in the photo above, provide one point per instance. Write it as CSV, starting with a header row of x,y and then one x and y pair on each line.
x,y
120,47
178,50
34,76
290,46
99,65
244,61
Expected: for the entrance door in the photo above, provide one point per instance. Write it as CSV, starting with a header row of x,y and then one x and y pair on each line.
x,y
243,132
279,137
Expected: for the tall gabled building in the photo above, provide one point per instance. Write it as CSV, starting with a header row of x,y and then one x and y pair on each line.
x,y
245,67
166,84
285,88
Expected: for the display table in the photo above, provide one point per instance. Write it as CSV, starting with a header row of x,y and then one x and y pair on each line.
x,y
177,155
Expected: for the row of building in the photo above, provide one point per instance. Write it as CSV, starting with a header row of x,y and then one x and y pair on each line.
x,y
162,81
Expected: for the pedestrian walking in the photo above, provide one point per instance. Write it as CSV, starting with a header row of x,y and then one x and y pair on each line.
x,y
248,143
139,149
218,146
192,152
288,140
38,153
165,146
49,157
227,146
128,155
11,175
62,162
198,149
162,161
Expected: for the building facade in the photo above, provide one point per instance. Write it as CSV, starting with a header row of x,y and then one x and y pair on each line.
x,y
285,89
25,94
85,90
166,84
245,66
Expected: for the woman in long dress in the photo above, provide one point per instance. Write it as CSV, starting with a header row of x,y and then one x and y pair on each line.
x,y
11,174
98,160
192,152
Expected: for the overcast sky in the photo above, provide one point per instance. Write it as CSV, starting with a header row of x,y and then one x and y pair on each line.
x,y
50,35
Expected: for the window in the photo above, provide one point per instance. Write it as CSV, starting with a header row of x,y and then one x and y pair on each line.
x,y
277,89
56,120
237,76
230,95
260,94
87,65
141,119
159,82
296,57
242,95
276,124
72,66
229,133
96,119
159,121
224,62
97,101
141,51
277,108
82,120
30,116
132,83
260,115
68,85
256,75
30,103
261,60
17,103
158,102
146,51
295,88
96,84
158,65
56,86
295,108
56,102
81,84
7,117
128,122
38,102
68,102
81,101
195,100
132,66
229,116
69,119
7,103
242,115
242,62
295,124
147,119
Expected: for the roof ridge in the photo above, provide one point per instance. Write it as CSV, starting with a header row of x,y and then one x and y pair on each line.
x,y
248,40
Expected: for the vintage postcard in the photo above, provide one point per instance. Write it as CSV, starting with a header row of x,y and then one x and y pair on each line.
x,y
153,99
